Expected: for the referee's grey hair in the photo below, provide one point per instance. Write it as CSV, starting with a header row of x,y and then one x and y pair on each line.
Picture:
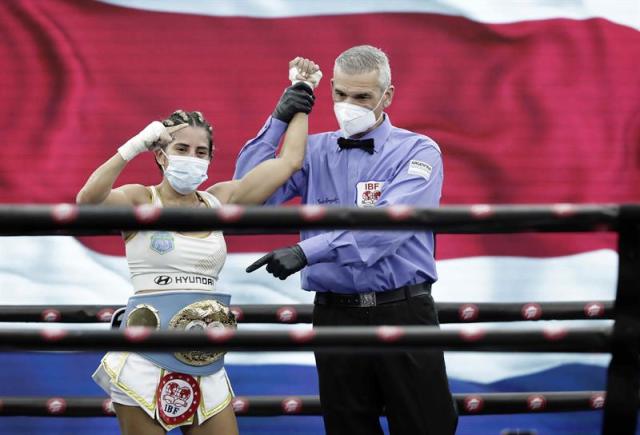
x,y
363,59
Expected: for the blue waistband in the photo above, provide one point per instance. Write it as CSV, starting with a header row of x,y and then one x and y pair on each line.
x,y
167,304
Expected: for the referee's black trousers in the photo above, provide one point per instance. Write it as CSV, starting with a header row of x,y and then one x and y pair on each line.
x,y
410,387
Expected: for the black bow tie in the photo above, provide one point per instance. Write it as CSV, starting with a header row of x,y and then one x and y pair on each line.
x,y
363,144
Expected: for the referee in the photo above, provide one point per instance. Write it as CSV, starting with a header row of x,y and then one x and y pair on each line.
x,y
364,277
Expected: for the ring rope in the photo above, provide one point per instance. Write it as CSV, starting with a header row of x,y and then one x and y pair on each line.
x,y
349,339
622,340
448,312
266,406
70,219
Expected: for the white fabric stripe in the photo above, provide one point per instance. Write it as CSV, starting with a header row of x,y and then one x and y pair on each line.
x,y
60,270
482,367
38,270
478,367
624,12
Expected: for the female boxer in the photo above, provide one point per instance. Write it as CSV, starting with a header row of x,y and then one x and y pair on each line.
x,y
174,274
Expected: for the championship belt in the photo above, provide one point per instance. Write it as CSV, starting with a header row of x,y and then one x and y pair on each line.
x,y
202,315
185,310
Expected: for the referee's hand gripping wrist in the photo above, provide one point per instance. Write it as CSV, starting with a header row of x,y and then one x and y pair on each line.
x,y
305,76
296,98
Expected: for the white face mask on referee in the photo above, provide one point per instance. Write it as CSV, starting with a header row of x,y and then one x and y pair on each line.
x,y
354,119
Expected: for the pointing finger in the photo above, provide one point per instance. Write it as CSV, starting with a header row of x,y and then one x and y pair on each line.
x,y
259,263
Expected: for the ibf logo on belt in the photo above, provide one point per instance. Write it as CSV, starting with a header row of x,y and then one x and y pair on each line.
x,y
163,280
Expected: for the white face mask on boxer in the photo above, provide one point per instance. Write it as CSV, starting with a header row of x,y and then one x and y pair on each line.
x,y
354,119
185,173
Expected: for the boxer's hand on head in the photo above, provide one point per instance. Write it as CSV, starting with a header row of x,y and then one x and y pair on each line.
x,y
166,137
297,98
153,135
282,262
306,71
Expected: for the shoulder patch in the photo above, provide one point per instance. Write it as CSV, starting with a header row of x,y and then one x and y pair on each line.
x,y
418,167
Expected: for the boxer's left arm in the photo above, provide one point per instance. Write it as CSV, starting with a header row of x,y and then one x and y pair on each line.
x,y
263,180
305,75
297,98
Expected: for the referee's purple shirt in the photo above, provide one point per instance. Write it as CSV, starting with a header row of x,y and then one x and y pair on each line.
x,y
405,168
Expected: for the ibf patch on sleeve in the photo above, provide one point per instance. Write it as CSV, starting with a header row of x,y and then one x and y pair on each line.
x,y
418,167
368,193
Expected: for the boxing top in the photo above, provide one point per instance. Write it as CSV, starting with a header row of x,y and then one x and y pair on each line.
x,y
167,260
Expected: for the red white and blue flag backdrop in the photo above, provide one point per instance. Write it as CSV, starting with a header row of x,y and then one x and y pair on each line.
x,y
531,102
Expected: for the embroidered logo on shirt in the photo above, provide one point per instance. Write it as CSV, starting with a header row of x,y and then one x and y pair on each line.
x,y
368,193
327,200
423,169
162,242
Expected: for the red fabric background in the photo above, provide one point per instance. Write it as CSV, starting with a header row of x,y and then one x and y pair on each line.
x,y
530,112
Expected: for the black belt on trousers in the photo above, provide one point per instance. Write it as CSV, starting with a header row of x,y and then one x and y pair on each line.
x,y
371,299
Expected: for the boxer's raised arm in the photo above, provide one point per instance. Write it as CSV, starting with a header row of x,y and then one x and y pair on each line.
x,y
263,180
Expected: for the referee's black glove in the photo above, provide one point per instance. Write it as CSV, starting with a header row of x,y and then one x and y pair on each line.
x,y
282,262
297,98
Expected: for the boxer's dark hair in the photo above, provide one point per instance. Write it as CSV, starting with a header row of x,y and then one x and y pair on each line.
x,y
194,119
